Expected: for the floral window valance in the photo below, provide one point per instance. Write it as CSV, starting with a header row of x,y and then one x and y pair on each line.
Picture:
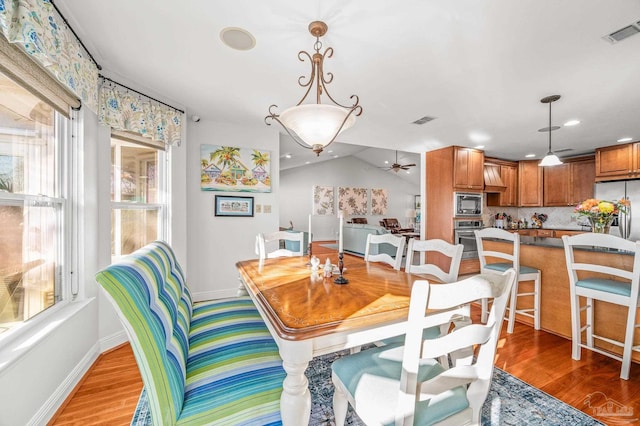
x,y
131,112
36,27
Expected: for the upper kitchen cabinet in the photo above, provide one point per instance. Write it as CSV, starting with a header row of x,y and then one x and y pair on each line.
x,y
529,184
618,162
508,197
570,183
468,169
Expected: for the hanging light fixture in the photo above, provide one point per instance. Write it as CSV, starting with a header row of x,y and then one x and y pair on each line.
x,y
550,159
315,126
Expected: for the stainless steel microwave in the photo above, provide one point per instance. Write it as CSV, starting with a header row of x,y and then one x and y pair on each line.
x,y
467,204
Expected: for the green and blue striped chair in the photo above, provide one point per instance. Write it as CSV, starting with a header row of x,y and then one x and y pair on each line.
x,y
211,362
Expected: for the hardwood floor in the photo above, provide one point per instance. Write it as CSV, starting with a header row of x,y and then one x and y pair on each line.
x,y
110,391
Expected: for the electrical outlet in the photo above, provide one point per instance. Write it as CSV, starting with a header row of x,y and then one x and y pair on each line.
x,y
267,208
258,208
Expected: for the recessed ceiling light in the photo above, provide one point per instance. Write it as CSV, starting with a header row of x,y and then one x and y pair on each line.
x,y
625,140
330,151
287,156
530,155
237,38
572,122
308,162
335,156
480,147
408,172
386,162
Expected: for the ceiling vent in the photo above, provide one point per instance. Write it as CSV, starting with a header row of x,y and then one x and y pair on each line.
x,y
563,150
423,120
623,33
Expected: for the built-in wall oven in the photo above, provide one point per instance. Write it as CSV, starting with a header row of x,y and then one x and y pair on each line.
x,y
463,234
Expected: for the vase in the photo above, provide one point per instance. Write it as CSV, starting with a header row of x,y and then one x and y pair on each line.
x,y
601,224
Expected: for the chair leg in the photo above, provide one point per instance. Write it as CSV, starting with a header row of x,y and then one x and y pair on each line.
x,y
589,320
536,303
576,336
485,311
340,405
628,343
513,304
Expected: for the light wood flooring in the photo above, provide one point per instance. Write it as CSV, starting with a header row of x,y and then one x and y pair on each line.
x,y
109,392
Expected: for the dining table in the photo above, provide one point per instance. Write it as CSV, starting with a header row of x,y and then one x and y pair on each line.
x,y
309,314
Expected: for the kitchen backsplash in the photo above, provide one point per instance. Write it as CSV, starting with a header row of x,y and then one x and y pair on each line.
x,y
558,217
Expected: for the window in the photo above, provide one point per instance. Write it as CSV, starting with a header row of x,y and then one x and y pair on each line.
x,y
138,196
32,204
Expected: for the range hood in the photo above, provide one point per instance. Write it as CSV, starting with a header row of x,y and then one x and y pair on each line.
x,y
492,180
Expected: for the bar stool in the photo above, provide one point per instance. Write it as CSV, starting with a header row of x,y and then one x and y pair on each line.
x,y
600,286
524,273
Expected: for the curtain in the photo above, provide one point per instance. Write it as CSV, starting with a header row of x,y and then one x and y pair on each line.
x,y
36,27
131,112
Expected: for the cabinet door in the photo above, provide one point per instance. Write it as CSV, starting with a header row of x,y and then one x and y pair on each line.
x,y
509,175
468,168
583,177
615,161
556,185
529,184
636,158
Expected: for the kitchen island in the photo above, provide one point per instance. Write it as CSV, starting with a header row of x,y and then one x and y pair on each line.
x,y
547,255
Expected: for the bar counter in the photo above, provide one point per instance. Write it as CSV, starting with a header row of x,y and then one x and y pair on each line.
x,y
547,255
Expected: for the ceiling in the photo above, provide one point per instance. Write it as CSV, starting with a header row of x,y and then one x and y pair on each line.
x,y
479,67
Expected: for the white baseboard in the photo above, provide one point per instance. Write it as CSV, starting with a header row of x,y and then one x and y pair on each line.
x,y
212,295
53,403
112,341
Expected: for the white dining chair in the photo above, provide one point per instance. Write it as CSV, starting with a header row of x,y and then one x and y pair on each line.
x,y
605,283
374,246
524,273
264,241
452,251
406,385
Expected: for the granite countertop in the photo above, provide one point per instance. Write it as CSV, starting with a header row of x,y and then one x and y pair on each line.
x,y
557,243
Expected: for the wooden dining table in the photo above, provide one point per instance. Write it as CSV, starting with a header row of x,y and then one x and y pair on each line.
x,y
309,315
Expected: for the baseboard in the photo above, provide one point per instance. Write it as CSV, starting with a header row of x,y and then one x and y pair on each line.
x,y
59,397
110,342
212,295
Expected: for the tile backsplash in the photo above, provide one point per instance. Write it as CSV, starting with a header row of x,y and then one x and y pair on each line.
x,y
558,217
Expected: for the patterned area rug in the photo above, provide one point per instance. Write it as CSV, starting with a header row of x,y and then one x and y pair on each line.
x,y
510,402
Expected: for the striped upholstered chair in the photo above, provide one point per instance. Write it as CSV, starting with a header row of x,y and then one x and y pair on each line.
x,y
201,363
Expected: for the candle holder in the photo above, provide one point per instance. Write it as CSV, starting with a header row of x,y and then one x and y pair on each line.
x,y
309,253
340,279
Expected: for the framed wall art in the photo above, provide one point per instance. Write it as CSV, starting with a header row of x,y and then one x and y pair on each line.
x,y
378,201
323,200
233,169
234,206
353,201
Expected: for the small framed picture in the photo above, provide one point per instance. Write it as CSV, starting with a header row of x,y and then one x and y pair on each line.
x,y
234,206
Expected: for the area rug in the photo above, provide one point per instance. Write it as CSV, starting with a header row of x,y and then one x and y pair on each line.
x,y
510,402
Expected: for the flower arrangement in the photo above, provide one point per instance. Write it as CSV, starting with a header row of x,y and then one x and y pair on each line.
x,y
601,212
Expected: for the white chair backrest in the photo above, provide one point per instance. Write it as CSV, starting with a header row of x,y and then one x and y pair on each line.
x,y
397,241
448,298
603,241
454,252
264,242
499,234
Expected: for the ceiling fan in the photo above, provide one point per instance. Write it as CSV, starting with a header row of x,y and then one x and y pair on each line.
x,y
396,167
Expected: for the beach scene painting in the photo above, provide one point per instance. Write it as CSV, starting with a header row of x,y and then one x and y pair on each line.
x,y
233,169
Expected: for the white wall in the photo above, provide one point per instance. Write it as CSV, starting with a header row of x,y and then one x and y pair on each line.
x,y
296,193
215,244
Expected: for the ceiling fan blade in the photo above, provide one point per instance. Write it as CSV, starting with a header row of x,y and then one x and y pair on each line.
x,y
409,165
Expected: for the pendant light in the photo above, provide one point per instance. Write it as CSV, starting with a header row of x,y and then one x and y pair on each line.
x,y
315,126
550,159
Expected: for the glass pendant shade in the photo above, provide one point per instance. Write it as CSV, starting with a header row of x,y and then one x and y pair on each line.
x,y
550,160
317,124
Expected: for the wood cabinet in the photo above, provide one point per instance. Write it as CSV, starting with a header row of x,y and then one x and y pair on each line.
x,y
509,177
468,169
559,233
570,183
529,184
618,162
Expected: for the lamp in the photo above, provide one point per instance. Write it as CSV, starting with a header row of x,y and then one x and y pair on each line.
x,y
315,126
550,159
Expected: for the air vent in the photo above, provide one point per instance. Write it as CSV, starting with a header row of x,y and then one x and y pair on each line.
x,y
562,150
623,33
424,119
